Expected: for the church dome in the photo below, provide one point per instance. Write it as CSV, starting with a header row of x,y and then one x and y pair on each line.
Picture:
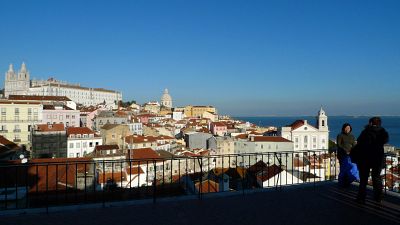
x,y
166,99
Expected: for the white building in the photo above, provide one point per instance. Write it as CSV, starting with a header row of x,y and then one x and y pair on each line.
x,y
81,141
308,137
135,127
22,85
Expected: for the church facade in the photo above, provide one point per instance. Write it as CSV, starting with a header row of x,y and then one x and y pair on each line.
x,y
21,84
306,136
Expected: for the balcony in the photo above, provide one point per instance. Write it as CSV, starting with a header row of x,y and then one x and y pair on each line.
x,y
212,189
17,130
16,140
3,131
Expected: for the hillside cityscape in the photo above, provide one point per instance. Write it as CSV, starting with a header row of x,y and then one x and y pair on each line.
x,y
199,112
51,121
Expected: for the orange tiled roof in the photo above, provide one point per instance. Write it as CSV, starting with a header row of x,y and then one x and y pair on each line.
x,y
135,170
106,147
207,186
38,98
139,139
50,127
79,130
144,153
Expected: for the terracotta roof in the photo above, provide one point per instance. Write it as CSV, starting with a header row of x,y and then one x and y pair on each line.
x,y
38,98
269,172
139,139
106,147
218,124
242,136
269,139
52,107
296,124
79,130
238,172
207,186
114,177
144,153
164,137
135,170
5,142
19,102
7,146
58,174
109,126
189,154
259,166
50,127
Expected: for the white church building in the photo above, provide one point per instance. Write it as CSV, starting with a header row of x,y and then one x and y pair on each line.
x,y
306,136
21,84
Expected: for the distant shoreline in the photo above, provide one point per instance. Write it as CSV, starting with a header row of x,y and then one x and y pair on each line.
x,y
355,116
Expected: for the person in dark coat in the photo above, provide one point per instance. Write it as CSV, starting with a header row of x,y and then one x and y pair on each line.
x,y
371,156
345,142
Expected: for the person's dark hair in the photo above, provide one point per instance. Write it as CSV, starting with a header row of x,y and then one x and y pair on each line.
x,y
345,125
375,121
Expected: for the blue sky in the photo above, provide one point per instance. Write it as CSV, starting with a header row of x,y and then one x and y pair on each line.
x,y
244,57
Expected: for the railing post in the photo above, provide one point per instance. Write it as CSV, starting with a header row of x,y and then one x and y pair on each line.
x,y
47,188
154,182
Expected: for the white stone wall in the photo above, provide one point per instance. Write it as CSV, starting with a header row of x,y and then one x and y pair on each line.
x,y
84,96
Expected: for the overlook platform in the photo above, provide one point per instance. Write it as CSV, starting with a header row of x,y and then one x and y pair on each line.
x,y
321,203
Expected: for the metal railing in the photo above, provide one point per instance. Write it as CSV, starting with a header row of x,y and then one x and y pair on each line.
x,y
39,184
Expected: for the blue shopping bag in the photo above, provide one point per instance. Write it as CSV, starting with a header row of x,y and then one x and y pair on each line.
x,y
348,172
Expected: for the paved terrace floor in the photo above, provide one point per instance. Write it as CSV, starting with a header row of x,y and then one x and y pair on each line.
x,y
323,204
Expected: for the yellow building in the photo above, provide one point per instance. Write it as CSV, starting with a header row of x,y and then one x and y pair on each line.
x,y
18,118
197,111
114,134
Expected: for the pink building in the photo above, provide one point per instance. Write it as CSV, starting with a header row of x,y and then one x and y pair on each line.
x,y
218,128
88,115
53,114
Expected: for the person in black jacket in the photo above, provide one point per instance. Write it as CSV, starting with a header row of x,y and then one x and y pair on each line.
x,y
371,156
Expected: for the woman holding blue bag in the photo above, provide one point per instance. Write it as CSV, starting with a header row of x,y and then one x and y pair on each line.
x,y
348,170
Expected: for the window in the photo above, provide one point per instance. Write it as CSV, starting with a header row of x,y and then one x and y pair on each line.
x,y
84,144
71,145
78,145
60,117
54,116
90,144
113,136
16,111
71,155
